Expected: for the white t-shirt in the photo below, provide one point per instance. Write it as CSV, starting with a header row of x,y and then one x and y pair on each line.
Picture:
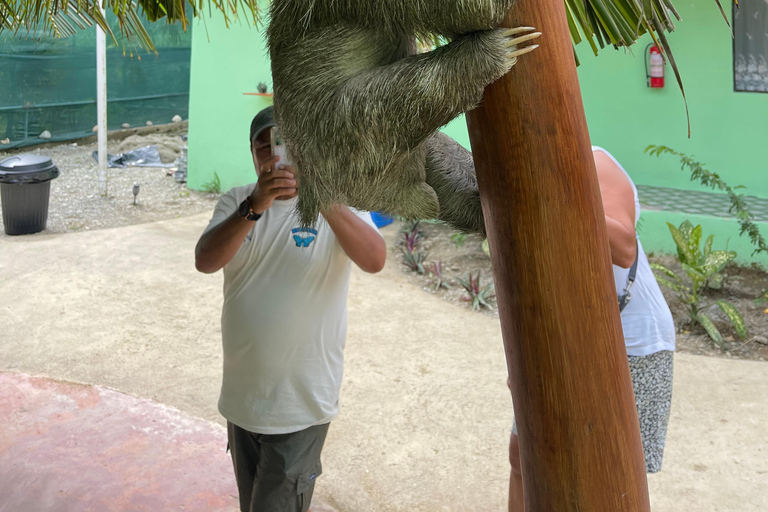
x,y
647,322
284,321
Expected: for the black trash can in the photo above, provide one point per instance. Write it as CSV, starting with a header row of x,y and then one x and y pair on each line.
x,y
25,188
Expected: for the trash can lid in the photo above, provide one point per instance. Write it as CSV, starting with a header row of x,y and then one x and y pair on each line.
x,y
27,169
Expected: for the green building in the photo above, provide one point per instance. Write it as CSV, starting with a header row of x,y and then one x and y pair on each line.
x,y
725,79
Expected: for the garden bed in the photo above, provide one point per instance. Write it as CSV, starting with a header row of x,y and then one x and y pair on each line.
x,y
740,287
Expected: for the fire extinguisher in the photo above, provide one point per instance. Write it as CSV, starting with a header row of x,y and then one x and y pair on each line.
x,y
654,60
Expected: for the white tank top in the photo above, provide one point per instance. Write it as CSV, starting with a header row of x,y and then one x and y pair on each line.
x,y
647,322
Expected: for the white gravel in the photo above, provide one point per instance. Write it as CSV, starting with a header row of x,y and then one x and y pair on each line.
x,y
76,205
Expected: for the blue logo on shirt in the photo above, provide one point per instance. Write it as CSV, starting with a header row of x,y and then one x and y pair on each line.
x,y
301,240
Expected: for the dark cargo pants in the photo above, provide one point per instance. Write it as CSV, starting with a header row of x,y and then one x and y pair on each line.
x,y
276,473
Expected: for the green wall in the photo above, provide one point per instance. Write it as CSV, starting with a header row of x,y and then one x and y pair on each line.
x,y
729,130
225,64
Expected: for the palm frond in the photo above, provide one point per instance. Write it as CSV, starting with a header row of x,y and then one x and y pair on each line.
x,y
615,22
623,22
62,18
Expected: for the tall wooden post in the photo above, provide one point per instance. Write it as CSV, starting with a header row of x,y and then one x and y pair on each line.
x,y
579,433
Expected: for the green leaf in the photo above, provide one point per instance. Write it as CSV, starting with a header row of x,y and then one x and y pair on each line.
x,y
694,273
680,238
486,248
716,260
715,281
694,241
671,285
709,326
686,228
708,245
662,268
735,317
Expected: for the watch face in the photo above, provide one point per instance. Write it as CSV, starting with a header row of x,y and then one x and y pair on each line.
x,y
245,208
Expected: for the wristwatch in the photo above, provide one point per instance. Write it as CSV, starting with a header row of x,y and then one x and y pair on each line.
x,y
247,212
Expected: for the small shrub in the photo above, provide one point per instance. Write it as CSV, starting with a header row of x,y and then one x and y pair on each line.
x,y
411,241
739,206
438,279
414,261
412,228
479,296
413,258
702,267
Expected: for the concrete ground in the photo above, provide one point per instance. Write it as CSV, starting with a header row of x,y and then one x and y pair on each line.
x,y
72,448
425,411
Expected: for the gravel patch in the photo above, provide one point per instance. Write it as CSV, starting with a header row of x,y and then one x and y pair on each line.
x,y
76,205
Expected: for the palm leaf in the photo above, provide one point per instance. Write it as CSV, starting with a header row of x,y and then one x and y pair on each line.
x,y
62,18
735,317
620,22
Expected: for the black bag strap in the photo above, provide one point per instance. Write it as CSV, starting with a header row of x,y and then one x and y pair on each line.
x,y
624,299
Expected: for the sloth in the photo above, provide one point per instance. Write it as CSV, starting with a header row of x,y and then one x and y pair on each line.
x,y
359,107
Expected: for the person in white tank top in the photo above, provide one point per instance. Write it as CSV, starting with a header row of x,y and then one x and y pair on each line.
x,y
649,330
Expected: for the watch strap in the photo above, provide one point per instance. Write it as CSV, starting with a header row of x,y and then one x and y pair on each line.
x,y
246,211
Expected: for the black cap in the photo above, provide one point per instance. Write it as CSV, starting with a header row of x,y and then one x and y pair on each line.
x,y
263,120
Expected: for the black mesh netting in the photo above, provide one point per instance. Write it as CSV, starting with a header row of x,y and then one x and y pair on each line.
x,y
49,84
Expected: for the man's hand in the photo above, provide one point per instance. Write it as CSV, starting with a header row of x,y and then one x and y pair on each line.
x,y
273,184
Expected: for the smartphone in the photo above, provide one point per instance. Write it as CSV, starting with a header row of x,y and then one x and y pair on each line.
x,y
277,147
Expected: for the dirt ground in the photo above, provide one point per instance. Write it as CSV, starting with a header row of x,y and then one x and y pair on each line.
x,y
741,286
425,412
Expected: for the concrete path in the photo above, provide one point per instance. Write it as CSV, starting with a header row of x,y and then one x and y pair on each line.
x,y
425,411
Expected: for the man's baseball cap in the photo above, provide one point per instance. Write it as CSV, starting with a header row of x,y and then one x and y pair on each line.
x,y
263,120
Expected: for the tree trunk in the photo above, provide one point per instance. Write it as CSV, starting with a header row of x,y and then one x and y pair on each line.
x,y
579,433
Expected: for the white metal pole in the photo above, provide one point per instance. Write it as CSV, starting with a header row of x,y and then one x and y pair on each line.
x,y
101,105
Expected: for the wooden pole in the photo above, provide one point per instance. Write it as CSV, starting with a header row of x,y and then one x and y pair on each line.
x,y
579,434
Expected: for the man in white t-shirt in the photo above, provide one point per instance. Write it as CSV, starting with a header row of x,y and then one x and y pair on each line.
x,y
283,324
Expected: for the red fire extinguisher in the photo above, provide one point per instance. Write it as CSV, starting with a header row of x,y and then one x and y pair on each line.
x,y
655,61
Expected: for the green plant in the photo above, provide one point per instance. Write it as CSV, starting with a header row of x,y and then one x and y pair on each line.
x,y
413,258
701,266
411,240
739,206
486,248
415,261
411,229
213,186
479,296
459,239
438,279
713,180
